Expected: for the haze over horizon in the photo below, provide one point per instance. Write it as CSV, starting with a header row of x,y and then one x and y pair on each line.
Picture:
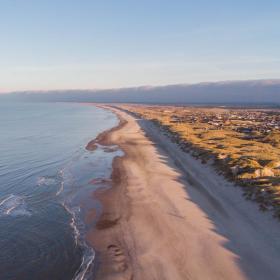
x,y
227,92
50,45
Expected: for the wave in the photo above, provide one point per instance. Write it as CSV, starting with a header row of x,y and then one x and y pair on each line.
x,y
62,181
60,190
14,205
46,181
85,270
76,185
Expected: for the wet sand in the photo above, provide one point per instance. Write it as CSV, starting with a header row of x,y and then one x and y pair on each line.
x,y
167,216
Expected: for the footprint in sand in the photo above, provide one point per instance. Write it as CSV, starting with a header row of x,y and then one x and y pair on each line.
x,y
118,258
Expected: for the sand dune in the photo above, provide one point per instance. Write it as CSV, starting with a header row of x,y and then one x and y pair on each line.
x,y
169,217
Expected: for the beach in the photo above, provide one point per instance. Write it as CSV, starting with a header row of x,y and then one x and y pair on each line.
x,y
168,216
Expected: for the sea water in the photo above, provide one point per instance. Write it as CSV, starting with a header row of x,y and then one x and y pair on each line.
x,y
46,174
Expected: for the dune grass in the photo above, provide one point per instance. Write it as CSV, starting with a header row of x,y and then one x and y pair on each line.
x,y
252,162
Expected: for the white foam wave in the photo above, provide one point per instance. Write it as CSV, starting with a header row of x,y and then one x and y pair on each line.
x,y
76,226
86,264
60,190
46,181
84,271
14,205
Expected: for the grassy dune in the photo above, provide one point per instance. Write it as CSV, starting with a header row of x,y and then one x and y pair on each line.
x,y
244,145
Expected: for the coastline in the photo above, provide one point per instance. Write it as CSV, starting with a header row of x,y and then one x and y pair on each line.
x,y
105,236
160,222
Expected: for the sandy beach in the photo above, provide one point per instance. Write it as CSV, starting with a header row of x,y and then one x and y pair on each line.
x,y
168,216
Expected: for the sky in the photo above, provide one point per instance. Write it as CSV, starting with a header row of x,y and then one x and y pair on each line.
x,y
88,44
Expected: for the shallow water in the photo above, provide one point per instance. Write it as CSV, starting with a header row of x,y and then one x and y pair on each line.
x,y
45,177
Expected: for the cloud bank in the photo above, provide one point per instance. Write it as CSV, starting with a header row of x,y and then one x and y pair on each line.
x,y
239,92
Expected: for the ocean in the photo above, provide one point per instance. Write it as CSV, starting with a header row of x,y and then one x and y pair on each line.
x,y
46,184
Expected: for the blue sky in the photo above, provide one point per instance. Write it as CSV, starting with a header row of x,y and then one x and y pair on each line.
x,y
68,44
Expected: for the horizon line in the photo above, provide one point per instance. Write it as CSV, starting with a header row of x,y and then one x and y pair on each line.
x,y
140,86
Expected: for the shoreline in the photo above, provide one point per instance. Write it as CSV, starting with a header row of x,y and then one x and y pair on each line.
x,y
105,231
156,218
